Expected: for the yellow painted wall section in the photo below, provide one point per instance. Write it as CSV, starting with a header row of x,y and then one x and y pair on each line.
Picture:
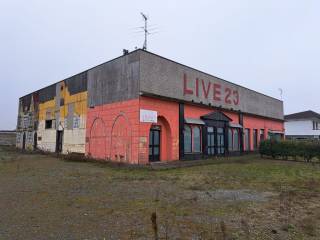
x,y
79,99
73,139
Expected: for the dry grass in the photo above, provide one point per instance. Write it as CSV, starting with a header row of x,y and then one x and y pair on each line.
x,y
42,197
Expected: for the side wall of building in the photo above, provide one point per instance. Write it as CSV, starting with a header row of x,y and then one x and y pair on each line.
x,y
113,110
113,132
300,128
168,122
27,122
59,107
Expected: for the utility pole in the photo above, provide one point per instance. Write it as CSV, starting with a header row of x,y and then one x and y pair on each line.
x,y
145,29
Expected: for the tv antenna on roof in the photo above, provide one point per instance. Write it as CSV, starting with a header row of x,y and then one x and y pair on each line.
x,y
145,29
281,92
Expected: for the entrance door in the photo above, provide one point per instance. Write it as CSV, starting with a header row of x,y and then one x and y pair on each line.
x,y
24,141
35,141
220,141
210,141
154,144
59,141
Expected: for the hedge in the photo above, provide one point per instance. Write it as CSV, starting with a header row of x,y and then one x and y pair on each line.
x,y
285,149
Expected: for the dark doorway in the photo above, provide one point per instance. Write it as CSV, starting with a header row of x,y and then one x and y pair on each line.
x,y
154,144
35,141
24,141
59,141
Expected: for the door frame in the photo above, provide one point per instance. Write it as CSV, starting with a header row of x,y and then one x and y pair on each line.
x,y
35,141
59,144
24,141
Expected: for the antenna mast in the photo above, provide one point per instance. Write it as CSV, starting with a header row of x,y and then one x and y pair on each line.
x,y
145,29
281,92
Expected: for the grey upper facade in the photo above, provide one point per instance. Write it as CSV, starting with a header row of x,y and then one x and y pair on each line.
x,y
163,77
143,73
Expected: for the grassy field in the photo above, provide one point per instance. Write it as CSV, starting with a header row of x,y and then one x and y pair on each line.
x,y
44,197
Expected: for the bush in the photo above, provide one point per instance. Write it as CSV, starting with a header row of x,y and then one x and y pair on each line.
x,y
285,149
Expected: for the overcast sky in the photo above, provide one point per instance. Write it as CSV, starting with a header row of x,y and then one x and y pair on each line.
x,y
263,45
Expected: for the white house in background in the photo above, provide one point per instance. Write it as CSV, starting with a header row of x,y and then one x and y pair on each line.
x,y
302,125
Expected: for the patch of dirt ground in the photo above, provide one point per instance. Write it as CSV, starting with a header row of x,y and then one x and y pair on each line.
x,y
44,197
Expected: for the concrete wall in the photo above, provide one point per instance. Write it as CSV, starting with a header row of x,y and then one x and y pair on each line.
x,y
163,77
300,127
65,104
114,81
7,138
113,131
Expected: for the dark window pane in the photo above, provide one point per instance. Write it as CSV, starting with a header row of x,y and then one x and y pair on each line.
x,y
196,139
151,138
156,150
220,130
236,141
230,143
156,139
187,139
210,129
247,139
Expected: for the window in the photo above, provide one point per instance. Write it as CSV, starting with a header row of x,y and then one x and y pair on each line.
x,y
220,140
261,135
48,124
233,140
247,139
255,139
236,142
187,139
192,139
210,141
196,132
76,122
230,139
315,125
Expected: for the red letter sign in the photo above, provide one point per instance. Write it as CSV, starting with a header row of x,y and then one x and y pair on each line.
x,y
205,91
186,91
216,92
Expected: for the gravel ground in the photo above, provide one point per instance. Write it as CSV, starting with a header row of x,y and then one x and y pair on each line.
x,y
44,197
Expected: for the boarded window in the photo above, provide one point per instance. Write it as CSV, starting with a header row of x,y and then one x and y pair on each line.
x,y
76,122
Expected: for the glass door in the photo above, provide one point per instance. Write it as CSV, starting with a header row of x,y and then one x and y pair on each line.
x,y
220,141
154,145
210,141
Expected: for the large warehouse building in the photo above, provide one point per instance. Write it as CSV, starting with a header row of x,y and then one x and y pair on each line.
x,y
141,107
